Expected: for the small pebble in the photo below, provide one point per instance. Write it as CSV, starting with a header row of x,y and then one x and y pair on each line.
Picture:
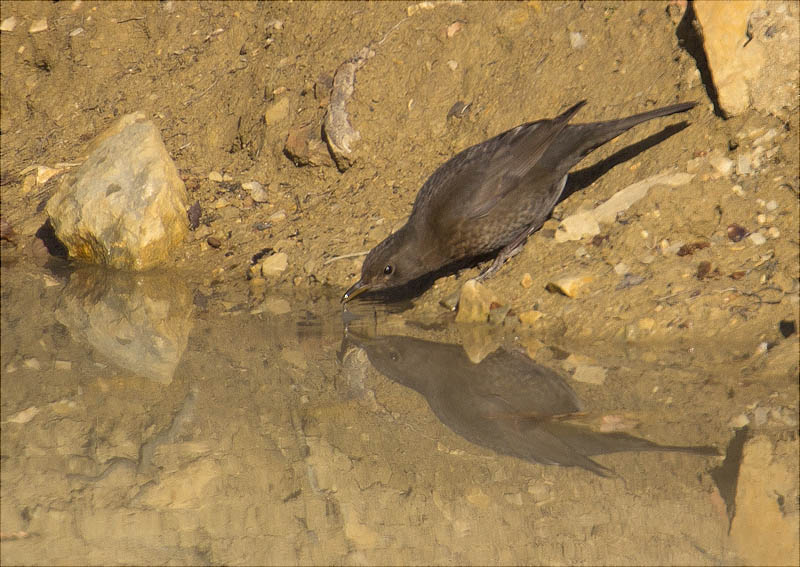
x,y
215,176
621,269
8,24
760,416
647,324
38,26
527,280
722,164
740,421
568,285
24,416
32,364
277,216
772,205
762,218
743,164
63,365
757,238
453,29
213,242
576,40
590,374
452,64
773,232
530,317
256,190
274,265
737,189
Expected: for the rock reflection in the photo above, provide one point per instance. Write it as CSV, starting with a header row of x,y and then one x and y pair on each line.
x,y
506,403
139,321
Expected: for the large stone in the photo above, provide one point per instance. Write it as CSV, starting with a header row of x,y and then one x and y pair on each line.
x,y
751,47
733,61
764,529
140,322
125,207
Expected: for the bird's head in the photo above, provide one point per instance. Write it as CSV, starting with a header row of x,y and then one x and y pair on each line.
x,y
392,263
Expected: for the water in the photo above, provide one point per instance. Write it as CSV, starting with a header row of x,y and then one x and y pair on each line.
x,y
149,419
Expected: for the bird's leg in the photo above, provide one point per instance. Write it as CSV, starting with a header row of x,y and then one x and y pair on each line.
x,y
508,251
512,249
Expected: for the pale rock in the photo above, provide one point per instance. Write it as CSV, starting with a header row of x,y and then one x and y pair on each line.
x,y
277,216
723,165
739,421
256,190
453,29
587,223
474,303
569,285
215,176
527,280
621,269
277,112
622,200
744,164
590,374
126,205
8,24
274,265
32,364
530,317
576,40
277,305
138,320
763,531
772,205
478,341
647,323
734,60
577,226
757,238
39,25
751,48
24,416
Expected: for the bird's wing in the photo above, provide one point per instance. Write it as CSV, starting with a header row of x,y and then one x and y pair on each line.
x,y
474,181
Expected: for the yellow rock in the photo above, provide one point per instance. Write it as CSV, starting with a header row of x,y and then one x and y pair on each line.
x,y
475,303
571,286
530,317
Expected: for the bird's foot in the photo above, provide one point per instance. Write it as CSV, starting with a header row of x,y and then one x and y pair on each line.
x,y
505,254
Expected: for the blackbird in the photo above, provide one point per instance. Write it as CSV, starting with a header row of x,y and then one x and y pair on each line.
x,y
488,198
507,402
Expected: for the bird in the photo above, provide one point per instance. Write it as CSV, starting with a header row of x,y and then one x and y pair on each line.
x,y
488,198
507,403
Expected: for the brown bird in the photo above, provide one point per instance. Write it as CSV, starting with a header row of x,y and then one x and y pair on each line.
x,y
489,198
507,402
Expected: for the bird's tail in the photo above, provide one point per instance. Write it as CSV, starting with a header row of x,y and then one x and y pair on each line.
x,y
595,134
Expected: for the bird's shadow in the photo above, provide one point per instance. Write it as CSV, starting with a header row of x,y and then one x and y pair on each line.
x,y
583,178
580,179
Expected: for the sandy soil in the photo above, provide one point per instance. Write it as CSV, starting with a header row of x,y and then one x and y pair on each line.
x,y
214,78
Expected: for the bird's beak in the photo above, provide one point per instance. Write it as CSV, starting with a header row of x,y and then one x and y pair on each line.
x,y
357,289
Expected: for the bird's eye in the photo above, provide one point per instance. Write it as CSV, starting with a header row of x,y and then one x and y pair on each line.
x,y
388,270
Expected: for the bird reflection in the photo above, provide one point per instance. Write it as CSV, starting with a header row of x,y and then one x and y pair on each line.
x,y
506,403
